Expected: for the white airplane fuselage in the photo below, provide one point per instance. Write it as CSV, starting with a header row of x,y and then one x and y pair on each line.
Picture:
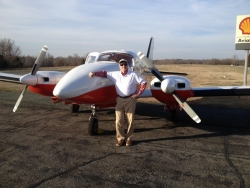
x,y
77,87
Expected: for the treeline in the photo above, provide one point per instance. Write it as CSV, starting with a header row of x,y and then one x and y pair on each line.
x,y
214,61
50,61
10,57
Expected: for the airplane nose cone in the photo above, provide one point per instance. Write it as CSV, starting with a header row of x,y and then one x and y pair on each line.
x,y
72,84
28,79
77,83
58,92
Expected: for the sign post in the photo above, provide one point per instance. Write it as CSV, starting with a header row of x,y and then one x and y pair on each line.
x,y
242,41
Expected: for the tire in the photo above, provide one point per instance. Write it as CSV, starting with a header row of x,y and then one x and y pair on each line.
x,y
75,108
93,126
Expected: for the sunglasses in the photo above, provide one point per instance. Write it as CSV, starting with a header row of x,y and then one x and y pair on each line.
x,y
123,64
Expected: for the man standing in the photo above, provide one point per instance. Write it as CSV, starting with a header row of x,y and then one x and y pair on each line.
x,y
125,84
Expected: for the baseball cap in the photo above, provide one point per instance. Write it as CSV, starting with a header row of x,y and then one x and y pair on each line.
x,y
123,60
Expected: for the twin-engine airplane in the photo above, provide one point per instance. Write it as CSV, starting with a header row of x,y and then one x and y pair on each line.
x,y
76,88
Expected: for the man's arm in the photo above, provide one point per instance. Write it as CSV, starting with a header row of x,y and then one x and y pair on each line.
x,y
141,90
102,74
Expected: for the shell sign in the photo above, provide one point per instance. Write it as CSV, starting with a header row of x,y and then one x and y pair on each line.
x,y
242,41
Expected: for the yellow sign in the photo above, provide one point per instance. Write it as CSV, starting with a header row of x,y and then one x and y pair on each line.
x,y
242,40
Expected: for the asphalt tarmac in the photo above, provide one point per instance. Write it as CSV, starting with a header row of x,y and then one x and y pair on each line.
x,y
43,145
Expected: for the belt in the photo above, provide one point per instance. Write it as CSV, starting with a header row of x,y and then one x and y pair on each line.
x,y
124,96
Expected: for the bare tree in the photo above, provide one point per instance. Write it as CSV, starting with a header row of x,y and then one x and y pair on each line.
x,y
235,58
10,53
48,60
29,61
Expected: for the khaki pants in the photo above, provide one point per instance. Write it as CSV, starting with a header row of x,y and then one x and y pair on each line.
x,y
125,106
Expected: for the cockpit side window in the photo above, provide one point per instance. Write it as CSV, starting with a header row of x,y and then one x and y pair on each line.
x,y
104,57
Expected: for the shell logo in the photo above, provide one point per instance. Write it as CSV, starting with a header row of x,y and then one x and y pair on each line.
x,y
245,26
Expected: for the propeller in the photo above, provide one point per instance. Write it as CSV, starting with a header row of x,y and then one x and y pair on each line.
x,y
34,70
168,86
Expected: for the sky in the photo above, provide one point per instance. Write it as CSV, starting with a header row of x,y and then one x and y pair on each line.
x,y
185,29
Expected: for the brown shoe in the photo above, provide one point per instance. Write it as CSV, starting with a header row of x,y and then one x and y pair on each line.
x,y
128,143
119,143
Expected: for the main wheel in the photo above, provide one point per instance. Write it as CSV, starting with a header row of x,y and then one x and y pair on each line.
x,y
75,108
93,125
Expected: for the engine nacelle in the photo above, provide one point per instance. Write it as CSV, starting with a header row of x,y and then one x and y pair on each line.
x,y
162,91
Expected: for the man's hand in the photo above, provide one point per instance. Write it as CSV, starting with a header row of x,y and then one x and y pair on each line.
x,y
91,74
134,95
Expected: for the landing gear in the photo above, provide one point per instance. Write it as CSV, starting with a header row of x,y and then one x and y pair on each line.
x,y
75,108
93,122
173,112
173,115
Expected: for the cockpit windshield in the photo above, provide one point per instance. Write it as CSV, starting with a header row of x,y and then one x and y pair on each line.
x,y
90,59
115,57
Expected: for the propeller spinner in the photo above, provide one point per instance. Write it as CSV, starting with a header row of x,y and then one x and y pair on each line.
x,y
34,70
168,86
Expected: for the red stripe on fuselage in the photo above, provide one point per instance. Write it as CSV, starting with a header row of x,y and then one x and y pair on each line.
x,y
43,89
105,95
108,95
168,98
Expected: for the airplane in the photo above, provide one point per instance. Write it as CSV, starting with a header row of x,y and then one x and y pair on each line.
x,y
76,88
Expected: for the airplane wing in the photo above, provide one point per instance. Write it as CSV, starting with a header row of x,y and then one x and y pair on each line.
x,y
5,77
145,94
221,91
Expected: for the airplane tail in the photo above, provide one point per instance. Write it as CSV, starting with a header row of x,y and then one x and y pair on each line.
x,y
150,49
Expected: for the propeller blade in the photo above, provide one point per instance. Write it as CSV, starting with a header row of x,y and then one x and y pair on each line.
x,y
187,108
39,60
150,49
35,68
19,99
150,66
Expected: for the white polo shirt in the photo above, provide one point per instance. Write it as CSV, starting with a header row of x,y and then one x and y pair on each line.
x,y
125,85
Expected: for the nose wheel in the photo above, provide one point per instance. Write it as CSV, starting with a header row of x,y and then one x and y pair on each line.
x,y
75,108
93,122
173,115
173,112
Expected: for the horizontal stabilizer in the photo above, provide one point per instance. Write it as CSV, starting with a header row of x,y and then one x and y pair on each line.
x,y
145,94
170,73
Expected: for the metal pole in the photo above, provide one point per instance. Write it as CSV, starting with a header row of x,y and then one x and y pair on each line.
x,y
246,67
